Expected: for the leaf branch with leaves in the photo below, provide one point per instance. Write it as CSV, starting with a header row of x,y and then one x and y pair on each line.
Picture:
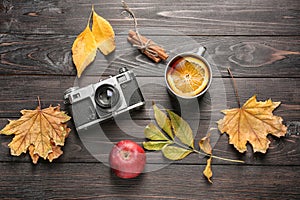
x,y
176,140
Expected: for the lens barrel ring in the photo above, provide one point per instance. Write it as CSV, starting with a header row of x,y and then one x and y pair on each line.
x,y
106,96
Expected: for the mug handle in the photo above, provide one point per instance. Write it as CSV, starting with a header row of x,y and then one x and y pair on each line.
x,y
201,51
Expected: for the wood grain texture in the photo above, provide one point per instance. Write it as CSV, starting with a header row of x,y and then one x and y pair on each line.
x,y
19,92
247,56
258,39
175,182
283,151
191,17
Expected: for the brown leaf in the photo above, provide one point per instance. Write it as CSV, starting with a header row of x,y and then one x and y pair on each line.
x,y
38,130
34,157
84,50
252,122
103,33
56,152
207,171
204,144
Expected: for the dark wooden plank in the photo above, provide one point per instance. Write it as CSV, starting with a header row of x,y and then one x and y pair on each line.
x,y
95,181
247,56
34,54
19,92
35,60
194,18
79,147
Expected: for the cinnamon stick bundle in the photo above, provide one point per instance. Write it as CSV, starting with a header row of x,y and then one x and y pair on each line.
x,y
148,47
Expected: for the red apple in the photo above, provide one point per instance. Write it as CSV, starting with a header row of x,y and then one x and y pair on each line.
x,y
127,159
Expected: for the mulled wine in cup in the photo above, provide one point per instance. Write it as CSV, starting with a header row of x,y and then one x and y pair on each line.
x,y
188,75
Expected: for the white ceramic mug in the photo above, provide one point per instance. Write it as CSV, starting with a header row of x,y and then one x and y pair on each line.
x,y
198,56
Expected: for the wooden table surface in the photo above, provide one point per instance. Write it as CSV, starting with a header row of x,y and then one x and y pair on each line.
x,y
259,40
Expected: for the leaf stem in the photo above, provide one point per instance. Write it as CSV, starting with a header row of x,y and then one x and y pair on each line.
x,y
88,24
205,154
227,159
235,87
186,147
217,157
39,101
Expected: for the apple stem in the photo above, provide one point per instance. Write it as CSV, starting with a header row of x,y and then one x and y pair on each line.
x,y
235,87
126,155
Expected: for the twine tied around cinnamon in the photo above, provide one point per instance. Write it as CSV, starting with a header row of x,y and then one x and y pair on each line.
x,y
145,45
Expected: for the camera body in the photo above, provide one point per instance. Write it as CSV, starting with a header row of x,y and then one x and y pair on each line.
x,y
103,100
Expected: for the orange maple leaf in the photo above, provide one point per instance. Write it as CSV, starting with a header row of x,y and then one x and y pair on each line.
x,y
42,131
252,123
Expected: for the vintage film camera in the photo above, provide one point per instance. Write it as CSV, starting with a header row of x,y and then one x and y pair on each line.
x,y
103,100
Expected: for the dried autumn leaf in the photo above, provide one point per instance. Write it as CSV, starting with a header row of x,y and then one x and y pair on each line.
x,y
181,129
252,122
163,121
56,152
204,144
175,153
84,50
103,33
40,131
33,156
207,171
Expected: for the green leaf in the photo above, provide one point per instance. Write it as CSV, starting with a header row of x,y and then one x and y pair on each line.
x,y
153,133
156,145
163,121
175,153
181,129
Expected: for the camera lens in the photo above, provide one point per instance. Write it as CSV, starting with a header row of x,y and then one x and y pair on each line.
x,y
106,96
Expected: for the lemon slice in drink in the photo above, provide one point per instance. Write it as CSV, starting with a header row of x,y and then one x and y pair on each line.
x,y
188,76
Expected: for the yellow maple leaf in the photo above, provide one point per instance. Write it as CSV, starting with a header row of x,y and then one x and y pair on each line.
x,y
56,152
252,123
103,33
84,50
41,131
